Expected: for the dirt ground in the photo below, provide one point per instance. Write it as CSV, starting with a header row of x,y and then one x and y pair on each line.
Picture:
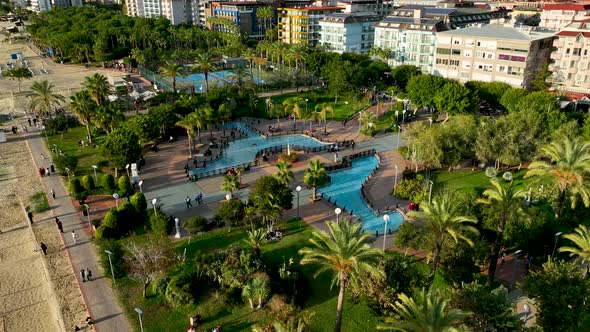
x,y
31,295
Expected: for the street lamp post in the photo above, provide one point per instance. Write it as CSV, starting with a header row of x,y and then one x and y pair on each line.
x,y
227,197
139,184
399,132
557,235
298,189
46,137
139,312
177,222
395,179
154,201
88,216
116,197
127,168
94,167
515,255
111,264
338,211
430,191
386,219
68,171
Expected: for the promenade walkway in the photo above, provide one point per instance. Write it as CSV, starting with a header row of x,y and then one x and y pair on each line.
x,y
99,297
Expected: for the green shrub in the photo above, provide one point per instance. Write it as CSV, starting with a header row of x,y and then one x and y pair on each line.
x,y
140,203
65,161
160,284
369,131
77,191
40,203
231,212
128,219
104,233
412,189
112,220
61,123
411,236
107,181
124,186
196,224
88,182
116,257
179,291
160,223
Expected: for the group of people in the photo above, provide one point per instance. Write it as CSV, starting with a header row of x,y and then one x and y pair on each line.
x,y
46,171
274,234
198,200
86,275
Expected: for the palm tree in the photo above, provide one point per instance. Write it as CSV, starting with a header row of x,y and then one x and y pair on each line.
x,y
83,107
345,251
444,221
294,105
255,239
265,14
260,288
568,169
248,293
284,174
506,203
108,116
230,184
189,123
240,76
430,313
324,108
43,97
367,119
315,176
19,73
581,239
98,86
278,326
269,209
205,65
172,70
250,55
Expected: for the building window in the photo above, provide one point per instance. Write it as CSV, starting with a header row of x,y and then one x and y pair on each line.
x,y
456,52
443,51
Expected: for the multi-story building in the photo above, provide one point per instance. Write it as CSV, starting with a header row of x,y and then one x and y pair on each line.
x,y
571,61
379,7
492,53
409,40
348,32
301,25
46,5
557,16
243,14
177,11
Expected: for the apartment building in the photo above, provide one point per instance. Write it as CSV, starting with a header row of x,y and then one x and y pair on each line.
x,y
243,14
302,25
349,32
46,5
379,7
492,53
409,40
557,16
571,61
177,11
456,14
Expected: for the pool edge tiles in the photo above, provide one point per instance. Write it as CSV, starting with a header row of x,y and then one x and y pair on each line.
x,y
345,186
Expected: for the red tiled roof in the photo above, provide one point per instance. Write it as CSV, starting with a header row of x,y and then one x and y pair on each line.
x,y
576,95
567,6
573,33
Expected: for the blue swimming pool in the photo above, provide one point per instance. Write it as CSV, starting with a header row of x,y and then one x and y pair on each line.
x,y
215,78
244,150
344,188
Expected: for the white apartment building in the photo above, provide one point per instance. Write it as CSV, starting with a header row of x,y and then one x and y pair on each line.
x,y
177,11
571,61
409,40
46,5
348,32
379,7
557,16
492,53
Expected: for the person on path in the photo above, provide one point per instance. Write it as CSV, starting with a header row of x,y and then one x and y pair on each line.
x,y
42,156
52,193
59,225
29,119
88,274
44,248
30,215
188,202
200,198
74,237
83,275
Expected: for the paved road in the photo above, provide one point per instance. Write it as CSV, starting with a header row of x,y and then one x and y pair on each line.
x,y
98,295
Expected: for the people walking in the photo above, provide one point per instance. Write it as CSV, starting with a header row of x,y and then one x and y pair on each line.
x,y
188,202
88,274
52,193
59,225
74,237
44,248
83,275
30,215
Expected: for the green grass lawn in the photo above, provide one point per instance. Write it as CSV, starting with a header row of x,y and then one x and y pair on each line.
x,y
467,179
158,316
87,156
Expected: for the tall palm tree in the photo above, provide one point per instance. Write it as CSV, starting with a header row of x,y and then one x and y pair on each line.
x,y
581,239
345,251
230,184
98,86
43,97
269,209
255,239
315,176
250,54
431,313
205,64
444,221
189,122
248,293
172,70
323,110
568,170
240,76
108,116
294,105
83,107
506,203
284,174
260,288
367,119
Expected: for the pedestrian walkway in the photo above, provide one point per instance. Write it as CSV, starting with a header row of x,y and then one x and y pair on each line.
x,y
378,189
98,295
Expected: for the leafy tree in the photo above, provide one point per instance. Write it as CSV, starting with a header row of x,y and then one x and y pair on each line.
x,y
128,218
423,88
581,250
116,257
230,184
284,173
490,310
401,75
19,73
124,185
510,99
489,92
148,259
428,312
230,212
282,195
255,239
561,293
568,170
144,126
444,221
82,106
108,116
163,116
107,181
43,97
506,203
540,81
88,183
112,221
345,251
181,289
196,224
121,147
259,288
315,176
140,204
65,161
98,87
172,70
454,98
77,190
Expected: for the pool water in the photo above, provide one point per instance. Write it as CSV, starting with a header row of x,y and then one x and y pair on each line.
x,y
242,151
345,187
198,80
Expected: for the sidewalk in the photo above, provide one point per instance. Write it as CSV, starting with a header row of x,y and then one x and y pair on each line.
x,y
98,295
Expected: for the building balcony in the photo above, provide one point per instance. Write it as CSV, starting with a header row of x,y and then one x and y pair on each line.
x,y
585,85
578,45
575,58
555,56
558,43
572,70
